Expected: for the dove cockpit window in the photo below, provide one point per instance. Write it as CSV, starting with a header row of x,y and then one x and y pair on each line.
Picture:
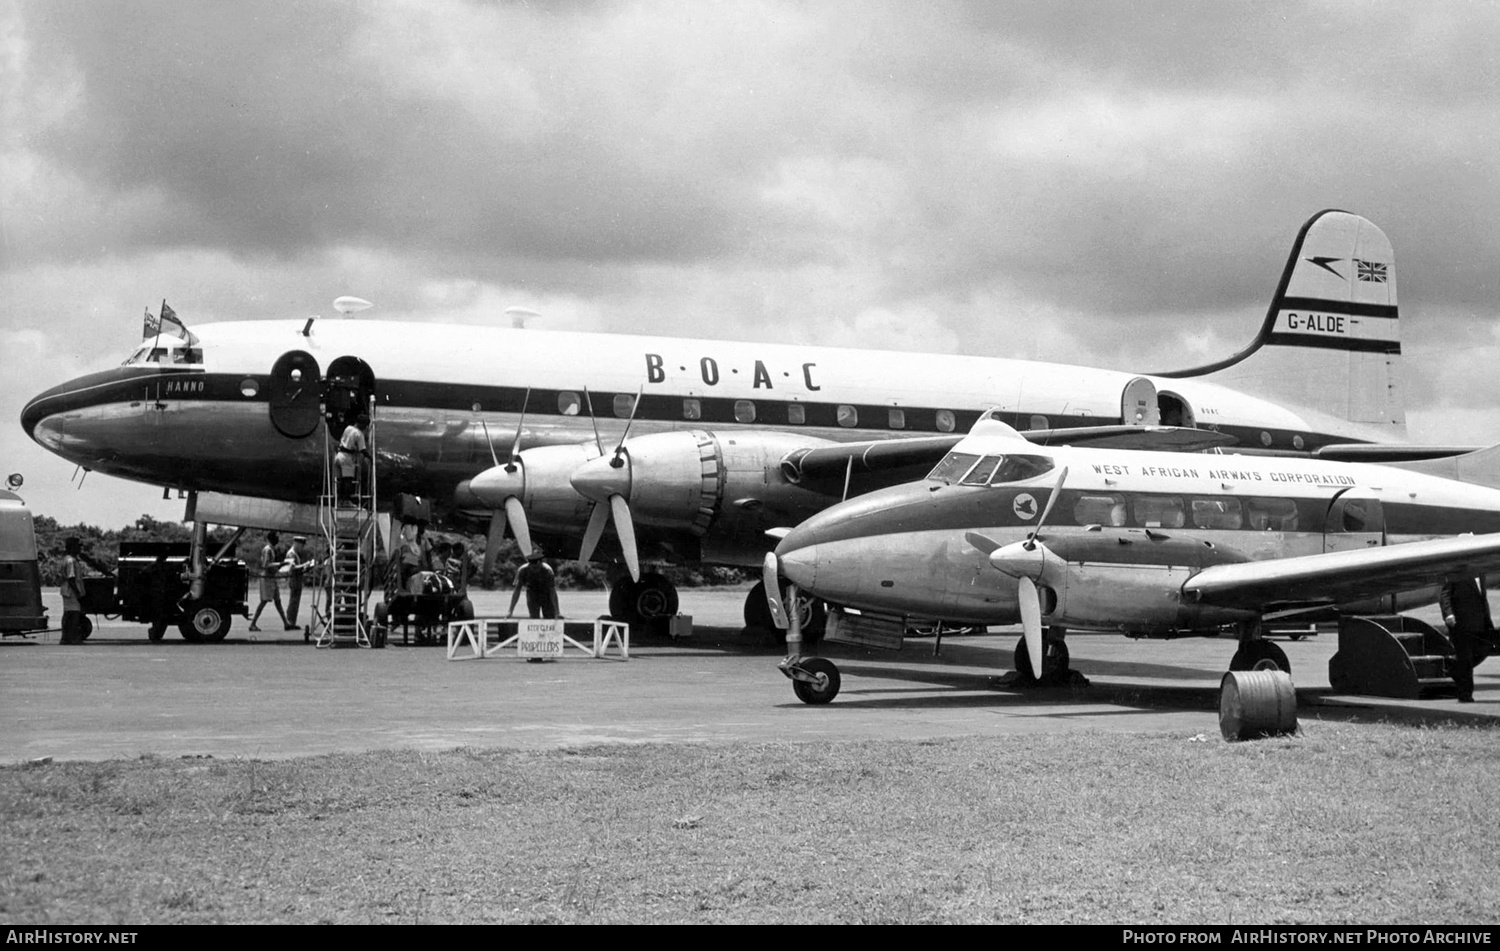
x,y
966,468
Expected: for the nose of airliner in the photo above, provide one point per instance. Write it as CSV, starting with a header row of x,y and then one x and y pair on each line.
x,y
35,411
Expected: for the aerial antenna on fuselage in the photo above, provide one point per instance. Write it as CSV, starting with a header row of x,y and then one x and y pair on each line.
x,y
519,316
344,305
351,305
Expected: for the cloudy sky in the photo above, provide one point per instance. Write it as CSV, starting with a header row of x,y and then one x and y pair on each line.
x,y
1115,184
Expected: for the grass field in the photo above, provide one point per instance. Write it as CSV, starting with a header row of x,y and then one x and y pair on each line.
x,y
1382,824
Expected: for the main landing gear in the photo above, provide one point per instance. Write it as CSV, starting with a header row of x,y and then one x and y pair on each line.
x,y
1257,653
653,598
1055,670
812,613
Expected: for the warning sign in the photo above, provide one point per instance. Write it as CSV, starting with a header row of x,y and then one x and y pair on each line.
x,y
539,637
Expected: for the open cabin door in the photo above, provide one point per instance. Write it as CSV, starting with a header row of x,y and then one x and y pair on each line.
x,y
1355,519
1138,405
294,394
347,391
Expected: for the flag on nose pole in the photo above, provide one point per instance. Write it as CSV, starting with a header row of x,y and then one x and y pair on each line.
x,y
166,322
171,325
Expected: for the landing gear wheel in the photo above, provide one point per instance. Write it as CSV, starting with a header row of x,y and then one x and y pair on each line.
x,y
1260,655
203,622
757,611
85,628
812,611
818,693
640,602
1054,660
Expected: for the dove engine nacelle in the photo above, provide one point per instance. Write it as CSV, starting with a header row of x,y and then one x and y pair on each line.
x,y
1131,580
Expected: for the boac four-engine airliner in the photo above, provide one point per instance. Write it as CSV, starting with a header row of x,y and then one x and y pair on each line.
x,y
692,449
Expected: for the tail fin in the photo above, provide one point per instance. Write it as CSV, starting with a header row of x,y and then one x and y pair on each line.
x,y
1330,341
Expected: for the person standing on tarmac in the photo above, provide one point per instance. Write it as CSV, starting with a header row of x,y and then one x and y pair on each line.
x,y
270,564
73,619
540,584
164,581
1466,610
297,561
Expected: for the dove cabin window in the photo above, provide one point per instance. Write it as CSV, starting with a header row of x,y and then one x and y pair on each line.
x,y
796,414
946,421
692,409
897,418
744,411
1271,515
1100,510
1217,513
624,405
1158,511
568,403
848,416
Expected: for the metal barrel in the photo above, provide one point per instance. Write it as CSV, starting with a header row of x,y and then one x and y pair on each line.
x,y
1257,703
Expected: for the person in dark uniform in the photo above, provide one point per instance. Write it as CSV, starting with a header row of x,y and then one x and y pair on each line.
x,y
540,584
1466,610
164,581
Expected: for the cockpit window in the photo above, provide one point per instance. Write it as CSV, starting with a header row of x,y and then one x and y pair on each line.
x,y
980,474
1020,468
953,467
168,355
968,469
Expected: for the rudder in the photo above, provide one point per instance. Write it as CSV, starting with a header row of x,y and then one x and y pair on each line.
x,y
1331,338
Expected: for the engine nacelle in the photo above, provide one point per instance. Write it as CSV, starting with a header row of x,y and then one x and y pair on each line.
x,y
723,489
541,480
1131,580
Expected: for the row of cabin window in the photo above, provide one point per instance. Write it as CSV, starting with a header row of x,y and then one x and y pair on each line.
x,y
1173,511
571,404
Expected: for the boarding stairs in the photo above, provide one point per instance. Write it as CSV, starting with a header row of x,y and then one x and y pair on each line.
x,y
349,531
1392,655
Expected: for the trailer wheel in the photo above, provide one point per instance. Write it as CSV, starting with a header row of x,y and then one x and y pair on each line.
x,y
203,622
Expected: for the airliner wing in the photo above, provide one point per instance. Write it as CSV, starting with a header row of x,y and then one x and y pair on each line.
x,y
1389,452
885,454
1140,438
1345,576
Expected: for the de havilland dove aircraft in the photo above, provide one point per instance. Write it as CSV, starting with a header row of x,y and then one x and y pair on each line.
x,y
693,449
1148,544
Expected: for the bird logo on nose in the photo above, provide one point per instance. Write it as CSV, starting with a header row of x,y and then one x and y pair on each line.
x,y
1025,507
